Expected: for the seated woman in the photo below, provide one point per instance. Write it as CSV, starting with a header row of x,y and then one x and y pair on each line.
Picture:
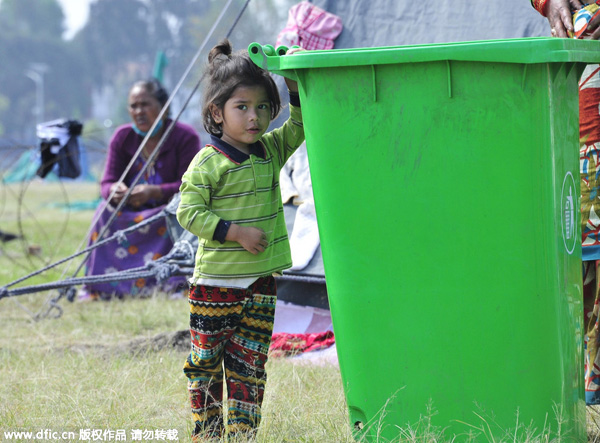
x,y
158,184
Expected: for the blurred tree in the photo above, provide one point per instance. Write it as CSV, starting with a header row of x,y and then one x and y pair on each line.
x,y
32,35
121,41
115,38
170,24
89,75
42,19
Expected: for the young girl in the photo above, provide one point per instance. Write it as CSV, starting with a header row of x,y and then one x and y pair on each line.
x,y
230,199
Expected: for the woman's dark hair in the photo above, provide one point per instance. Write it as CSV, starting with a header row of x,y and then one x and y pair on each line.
x,y
227,71
156,89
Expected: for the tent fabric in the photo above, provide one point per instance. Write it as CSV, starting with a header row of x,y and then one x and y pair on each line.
x,y
291,318
24,168
373,23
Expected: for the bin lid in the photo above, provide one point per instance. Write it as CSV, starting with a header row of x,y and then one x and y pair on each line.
x,y
518,50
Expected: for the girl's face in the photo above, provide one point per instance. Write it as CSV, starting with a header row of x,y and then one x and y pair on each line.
x,y
245,116
143,108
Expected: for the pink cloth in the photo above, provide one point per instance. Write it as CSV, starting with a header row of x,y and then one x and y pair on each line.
x,y
284,344
310,27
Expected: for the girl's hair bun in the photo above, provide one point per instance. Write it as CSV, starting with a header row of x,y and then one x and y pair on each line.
x,y
222,51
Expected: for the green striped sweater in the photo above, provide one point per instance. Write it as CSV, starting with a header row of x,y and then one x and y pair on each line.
x,y
222,183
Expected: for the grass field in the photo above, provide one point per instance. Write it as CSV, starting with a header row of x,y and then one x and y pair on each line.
x,y
116,366
94,368
49,218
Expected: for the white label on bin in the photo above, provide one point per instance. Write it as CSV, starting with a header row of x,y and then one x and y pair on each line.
x,y
568,215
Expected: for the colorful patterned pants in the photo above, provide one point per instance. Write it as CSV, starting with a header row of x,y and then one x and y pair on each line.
x,y
231,331
591,300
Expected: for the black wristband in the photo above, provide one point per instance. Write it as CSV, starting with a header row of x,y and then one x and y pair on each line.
x,y
294,99
221,231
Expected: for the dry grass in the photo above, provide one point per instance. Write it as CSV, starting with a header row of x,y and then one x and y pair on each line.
x,y
593,423
92,369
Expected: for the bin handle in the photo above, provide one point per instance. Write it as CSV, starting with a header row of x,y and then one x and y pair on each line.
x,y
267,58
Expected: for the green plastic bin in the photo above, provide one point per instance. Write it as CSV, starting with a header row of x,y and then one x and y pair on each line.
x,y
446,184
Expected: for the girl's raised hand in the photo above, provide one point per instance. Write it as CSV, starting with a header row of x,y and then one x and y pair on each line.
x,y
292,85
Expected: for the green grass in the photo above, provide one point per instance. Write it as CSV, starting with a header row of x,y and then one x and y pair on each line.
x,y
49,229
87,370
94,367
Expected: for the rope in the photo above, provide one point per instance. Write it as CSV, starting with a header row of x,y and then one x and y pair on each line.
x,y
144,141
161,271
237,19
104,278
302,278
119,235
178,262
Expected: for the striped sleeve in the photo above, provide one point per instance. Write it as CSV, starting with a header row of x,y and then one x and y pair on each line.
x,y
288,137
196,189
